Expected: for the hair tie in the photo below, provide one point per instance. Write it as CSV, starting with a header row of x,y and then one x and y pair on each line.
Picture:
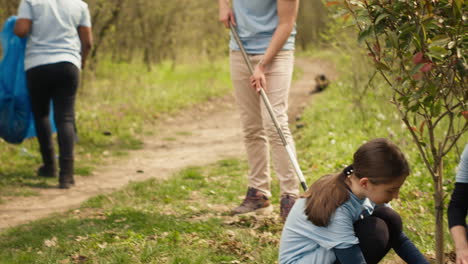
x,y
348,170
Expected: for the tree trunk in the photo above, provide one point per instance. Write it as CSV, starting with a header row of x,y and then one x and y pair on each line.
x,y
103,32
439,214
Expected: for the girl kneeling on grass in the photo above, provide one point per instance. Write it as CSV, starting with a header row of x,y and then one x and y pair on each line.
x,y
343,218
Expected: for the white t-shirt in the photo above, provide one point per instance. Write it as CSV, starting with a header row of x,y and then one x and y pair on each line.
x,y
302,242
54,33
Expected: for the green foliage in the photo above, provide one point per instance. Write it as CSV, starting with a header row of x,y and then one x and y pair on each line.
x,y
312,21
176,30
8,8
419,48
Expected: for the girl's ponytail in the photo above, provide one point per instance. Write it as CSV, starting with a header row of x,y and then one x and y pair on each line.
x,y
379,160
325,196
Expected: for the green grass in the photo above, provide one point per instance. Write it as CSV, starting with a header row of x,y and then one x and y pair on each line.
x,y
113,107
182,220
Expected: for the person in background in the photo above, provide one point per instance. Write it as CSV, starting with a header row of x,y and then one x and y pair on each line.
x,y
267,31
458,208
343,218
59,40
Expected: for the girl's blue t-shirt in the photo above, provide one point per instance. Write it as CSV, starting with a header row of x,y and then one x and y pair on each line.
x,y
304,242
256,22
462,172
54,33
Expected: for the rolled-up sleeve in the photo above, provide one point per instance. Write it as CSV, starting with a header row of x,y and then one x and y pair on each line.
x,y
25,10
458,205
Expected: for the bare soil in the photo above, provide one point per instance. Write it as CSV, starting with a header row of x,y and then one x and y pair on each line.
x,y
197,136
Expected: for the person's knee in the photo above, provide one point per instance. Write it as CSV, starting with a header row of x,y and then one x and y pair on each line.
x,y
252,132
273,134
64,116
39,109
373,233
391,218
374,238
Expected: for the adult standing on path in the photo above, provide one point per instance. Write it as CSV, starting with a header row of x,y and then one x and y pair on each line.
x,y
60,39
267,31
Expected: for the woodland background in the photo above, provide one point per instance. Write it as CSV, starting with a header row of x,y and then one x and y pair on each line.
x,y
176,30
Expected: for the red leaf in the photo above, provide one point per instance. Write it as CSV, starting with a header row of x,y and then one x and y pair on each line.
x,y
427,67
465,115
332,3
418,58
421,128
346,16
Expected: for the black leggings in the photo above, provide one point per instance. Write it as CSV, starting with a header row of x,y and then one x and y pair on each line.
x,y
380,232
57,82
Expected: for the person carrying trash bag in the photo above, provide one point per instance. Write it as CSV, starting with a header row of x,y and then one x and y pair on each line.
x,y
16,118
267,31
59,40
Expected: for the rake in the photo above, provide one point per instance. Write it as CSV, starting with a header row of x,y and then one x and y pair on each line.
x,y
264,97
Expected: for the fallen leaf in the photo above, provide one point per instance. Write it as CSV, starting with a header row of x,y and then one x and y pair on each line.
x,y
81,238
103,245
79,258
50,242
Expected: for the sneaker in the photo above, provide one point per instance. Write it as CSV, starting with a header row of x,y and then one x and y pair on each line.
x,y
45,171
255,201
286,204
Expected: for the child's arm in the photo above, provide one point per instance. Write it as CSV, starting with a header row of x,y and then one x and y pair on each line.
x,y
351,255
408,251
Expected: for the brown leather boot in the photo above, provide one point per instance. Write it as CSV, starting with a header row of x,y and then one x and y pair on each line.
x,y
287,202
254,201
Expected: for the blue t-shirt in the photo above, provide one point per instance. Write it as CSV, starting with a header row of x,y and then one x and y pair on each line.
x,y
462,173
303,242
256,22
54,33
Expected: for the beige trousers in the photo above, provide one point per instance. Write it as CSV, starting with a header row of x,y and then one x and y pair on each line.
x,y
260,133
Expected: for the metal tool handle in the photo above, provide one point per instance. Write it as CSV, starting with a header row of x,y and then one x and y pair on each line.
x,y
290,151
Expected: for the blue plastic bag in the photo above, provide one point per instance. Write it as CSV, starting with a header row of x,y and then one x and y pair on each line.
x,y
16,119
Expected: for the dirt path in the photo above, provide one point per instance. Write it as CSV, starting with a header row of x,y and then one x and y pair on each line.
x,y
189,139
